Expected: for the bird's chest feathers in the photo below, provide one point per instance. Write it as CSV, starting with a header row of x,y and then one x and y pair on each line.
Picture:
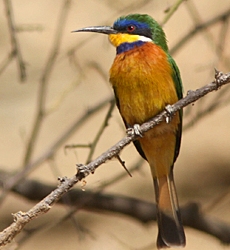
x,y
143,83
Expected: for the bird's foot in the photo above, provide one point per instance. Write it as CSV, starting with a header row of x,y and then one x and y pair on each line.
x,y
169,113
135,130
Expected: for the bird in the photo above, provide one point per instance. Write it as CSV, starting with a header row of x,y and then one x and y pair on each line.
x,y
145,80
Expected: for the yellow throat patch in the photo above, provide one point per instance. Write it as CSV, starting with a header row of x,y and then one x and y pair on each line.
x,y
118,39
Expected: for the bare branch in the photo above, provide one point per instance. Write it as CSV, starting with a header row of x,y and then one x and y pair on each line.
x,y
171,11
123,165
21,219
101,130
7,61
16,51
199,28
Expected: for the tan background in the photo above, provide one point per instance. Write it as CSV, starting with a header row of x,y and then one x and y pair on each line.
x,y
202,170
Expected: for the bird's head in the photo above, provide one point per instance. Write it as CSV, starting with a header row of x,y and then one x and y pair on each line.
x,y
132,28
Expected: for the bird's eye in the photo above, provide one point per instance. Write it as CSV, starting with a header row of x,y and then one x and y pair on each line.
x,y
131,28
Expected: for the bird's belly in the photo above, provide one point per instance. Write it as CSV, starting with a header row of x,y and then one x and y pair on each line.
x,y
137,106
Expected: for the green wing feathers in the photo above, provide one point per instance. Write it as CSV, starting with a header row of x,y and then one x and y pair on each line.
x,y
179,89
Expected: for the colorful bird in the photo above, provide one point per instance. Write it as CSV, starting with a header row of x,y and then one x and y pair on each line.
x,y
146,79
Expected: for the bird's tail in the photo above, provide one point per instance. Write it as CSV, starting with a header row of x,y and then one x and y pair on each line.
x,y
171,232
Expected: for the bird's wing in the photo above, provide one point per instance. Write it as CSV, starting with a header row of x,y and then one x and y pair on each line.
x,y
179,89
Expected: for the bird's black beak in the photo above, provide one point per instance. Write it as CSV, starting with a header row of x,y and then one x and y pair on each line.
x,y
98,29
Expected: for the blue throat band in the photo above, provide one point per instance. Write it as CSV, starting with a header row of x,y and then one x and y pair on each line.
x,y
128,46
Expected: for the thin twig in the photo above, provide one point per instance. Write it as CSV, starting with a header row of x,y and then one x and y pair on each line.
x,y
220,48
123,165
70,146
197,20
7,61
136,166
100,131
198,29
201,114
16,51
171,11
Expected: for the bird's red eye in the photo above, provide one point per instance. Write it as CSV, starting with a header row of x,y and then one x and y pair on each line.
x,y
131,28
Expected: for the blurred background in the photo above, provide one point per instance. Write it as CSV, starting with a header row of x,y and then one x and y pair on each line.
x,y
54,91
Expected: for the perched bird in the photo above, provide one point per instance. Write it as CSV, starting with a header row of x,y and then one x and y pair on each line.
x,y
146,79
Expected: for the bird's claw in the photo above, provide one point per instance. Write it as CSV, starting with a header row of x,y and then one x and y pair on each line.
x,y
169,113
135,130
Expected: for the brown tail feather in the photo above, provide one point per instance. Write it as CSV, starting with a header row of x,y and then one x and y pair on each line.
x,y
171,232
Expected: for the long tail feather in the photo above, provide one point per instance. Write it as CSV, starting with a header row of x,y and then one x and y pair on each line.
x,y
171,232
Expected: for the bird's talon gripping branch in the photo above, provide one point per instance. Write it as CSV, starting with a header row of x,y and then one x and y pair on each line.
x,y
169,113
135,130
